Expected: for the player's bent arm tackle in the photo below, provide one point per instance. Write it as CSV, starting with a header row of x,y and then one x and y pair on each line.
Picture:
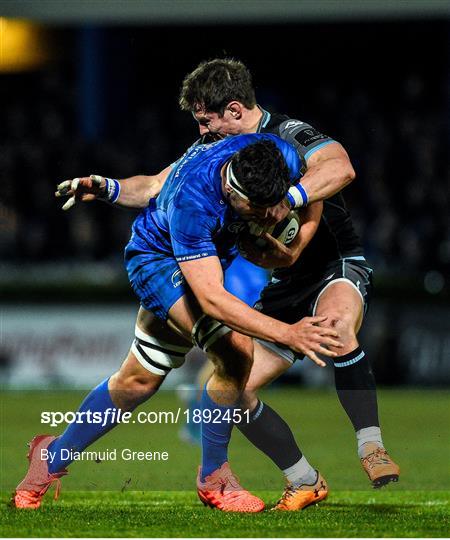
x,y
278,255
205,278
133,192
329,170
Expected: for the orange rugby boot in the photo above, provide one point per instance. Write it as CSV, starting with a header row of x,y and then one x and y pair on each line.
x,y
221,489
31,490
298,497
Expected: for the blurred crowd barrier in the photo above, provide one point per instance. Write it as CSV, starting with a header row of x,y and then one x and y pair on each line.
x,y
76,346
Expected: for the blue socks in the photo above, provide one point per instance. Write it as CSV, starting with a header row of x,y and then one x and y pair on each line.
x,y
215,436
79,436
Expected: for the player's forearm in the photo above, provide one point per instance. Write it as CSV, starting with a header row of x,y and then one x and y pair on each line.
x,y
326,178
226,308
310,220
133,192
329,170
136,191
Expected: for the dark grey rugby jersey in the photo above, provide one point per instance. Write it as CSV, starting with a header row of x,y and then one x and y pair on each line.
x,y
335,237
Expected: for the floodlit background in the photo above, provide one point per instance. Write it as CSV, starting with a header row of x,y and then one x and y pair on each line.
x,y
92,87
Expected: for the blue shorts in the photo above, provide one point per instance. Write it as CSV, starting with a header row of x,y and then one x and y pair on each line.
x,y
158,282
245,280
156,279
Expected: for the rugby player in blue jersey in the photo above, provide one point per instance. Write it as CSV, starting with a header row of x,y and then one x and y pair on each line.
x,y
323,271
179,247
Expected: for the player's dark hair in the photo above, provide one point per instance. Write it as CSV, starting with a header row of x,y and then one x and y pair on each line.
x,y
214,83
262,171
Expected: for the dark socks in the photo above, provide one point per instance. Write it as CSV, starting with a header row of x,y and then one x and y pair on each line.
x,y
355,387
270,434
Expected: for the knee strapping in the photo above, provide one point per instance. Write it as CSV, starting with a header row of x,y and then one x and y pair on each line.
x,y
156,355
207,331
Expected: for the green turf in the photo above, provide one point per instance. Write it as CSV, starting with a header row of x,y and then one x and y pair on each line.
x,y
175,514
154,499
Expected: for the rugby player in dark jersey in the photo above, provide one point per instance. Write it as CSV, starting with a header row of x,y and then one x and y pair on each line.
x,y
323,272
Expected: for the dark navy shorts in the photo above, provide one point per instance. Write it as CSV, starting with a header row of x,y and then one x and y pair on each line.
x,y
291,299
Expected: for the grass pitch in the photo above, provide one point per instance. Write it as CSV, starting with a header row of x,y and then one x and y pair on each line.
x,y
157,499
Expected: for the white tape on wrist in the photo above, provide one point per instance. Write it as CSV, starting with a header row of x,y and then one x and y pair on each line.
x,y
112,191
299,196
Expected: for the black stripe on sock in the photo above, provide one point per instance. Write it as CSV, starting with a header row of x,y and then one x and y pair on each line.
x,y
349,356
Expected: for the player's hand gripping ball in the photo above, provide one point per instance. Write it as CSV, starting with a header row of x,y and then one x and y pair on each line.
x,y
253,247
285,231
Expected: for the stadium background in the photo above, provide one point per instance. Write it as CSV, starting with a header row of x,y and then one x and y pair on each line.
x,y
93,91
92,87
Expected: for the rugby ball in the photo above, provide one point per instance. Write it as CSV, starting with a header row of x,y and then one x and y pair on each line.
x,y
285,231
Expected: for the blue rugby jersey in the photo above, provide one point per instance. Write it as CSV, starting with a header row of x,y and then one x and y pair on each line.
x,y
190,218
